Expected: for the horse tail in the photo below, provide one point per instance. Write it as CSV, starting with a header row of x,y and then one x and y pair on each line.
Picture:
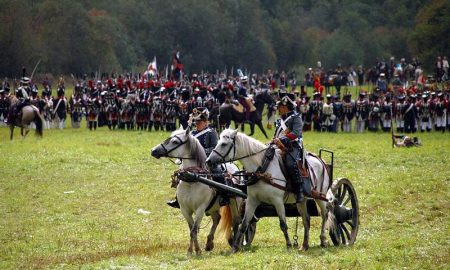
x,y
224,226
39,123
330,224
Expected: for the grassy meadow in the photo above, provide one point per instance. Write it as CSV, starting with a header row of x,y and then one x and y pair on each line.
x,y
74,200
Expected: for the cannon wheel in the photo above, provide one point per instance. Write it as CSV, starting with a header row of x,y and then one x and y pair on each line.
x,y
346,211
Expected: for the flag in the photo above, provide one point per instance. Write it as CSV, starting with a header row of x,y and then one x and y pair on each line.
x,y
176,63
152,69
177,66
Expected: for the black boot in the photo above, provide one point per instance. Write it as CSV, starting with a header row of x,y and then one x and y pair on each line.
x,y
173,203
299,197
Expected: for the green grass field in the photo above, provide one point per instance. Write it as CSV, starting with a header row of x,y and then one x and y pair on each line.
x,y
71,199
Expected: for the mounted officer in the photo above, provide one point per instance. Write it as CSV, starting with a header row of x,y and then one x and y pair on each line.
x,y
22,94
208,138
288,137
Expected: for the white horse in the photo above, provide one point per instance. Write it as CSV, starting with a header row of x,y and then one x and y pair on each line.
x,y
238,146
196,198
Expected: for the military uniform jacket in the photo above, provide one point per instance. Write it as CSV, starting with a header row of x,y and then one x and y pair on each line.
x,y
208,138
289,129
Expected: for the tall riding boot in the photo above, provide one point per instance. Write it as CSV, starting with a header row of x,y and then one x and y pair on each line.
x,y
297,186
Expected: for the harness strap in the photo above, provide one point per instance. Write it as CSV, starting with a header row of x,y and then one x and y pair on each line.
x,y
213,201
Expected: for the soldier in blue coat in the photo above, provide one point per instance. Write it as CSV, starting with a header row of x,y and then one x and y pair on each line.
x,y
288,137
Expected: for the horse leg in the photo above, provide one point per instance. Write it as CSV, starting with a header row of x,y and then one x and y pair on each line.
x,y
210,242
11,127
252,128
279,207
250,208
188,217
261,127
301,207
323,215
194,231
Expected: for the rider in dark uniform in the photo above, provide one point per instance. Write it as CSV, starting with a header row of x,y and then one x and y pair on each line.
x,y
208,138
22,94
288,136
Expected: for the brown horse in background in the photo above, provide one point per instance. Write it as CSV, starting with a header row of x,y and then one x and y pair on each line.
x,y
29,114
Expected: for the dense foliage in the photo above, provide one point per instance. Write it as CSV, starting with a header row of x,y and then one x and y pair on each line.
x,y
123,35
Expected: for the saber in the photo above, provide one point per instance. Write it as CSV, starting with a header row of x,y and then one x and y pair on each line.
x,y
35,67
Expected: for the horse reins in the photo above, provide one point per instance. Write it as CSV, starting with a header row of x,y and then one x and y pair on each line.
x,y
232,146
166,151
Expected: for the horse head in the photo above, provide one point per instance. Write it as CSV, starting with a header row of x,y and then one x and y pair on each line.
x,y
225,148
182,145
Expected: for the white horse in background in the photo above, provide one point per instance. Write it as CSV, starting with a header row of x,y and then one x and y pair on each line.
x,y
238,146
196,198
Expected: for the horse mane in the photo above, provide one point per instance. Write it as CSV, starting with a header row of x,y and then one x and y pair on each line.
x,y
252,145
194,147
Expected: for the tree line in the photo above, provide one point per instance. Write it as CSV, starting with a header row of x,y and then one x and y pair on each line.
x,y
124,35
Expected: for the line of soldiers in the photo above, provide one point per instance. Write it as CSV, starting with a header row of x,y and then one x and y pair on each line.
x,y
135,102
378,111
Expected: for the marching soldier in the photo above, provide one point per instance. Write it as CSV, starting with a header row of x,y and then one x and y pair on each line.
x,y
4,106
338,112
374,113
386,114
304,110
410,114
399,113
362,112
76,109
424,113
316,111
440,112
348,112
328,116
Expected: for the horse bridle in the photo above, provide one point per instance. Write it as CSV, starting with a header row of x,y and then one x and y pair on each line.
x,y
232,146
167,151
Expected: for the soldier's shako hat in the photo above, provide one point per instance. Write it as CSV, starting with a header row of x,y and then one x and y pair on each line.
x,y
60,92
25,80
200,114
287,98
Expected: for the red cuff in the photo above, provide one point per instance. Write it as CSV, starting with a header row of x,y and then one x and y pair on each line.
x,y
291,136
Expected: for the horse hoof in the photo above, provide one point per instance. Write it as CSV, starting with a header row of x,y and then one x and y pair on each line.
x,y
324,244
209,247
305,247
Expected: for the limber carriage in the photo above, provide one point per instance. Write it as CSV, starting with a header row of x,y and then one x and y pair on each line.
x,y
272,187
346,208
269,195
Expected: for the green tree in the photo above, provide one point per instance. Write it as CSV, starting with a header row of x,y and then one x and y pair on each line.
x,y
431,34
